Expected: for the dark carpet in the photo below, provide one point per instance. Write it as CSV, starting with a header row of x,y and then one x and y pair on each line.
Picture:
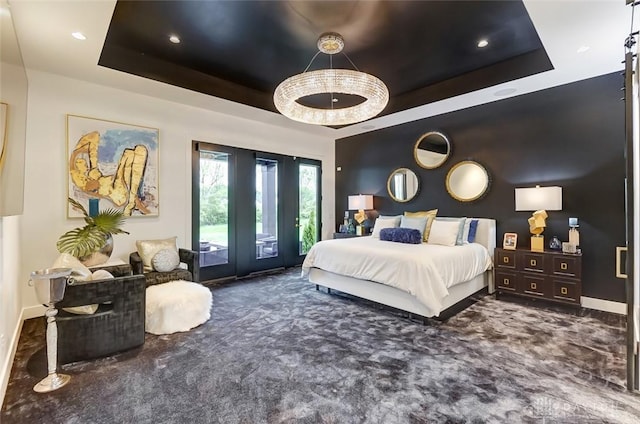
x,y
278,351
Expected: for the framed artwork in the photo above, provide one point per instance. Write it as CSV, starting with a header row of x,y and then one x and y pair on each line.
x,y
510,240
4,110
113,162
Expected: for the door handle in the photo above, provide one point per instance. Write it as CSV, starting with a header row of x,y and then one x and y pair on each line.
x,y
619,250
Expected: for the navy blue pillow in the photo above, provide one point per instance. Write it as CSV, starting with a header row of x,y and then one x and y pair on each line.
x,y
401,235
473,227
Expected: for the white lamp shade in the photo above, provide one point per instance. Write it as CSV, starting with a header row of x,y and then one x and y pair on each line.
x,y
537,198
360,202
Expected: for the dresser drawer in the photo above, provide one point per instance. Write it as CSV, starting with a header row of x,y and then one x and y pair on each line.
x,y
533,262
567,291
565,265
506,259
506,280
534,285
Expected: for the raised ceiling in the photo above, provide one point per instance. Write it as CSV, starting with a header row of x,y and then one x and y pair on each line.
x,y
581,39
241,50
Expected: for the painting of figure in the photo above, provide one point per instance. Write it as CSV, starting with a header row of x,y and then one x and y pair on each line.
x,y
113,162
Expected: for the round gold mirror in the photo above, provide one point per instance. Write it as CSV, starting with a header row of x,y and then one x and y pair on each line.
x,y
431,150
402,185
467,181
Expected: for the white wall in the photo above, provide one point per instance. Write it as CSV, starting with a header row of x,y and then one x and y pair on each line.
x,y
10,295
51,97
13,92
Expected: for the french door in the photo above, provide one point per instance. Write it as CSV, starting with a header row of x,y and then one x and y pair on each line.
x,y
252,211
631,275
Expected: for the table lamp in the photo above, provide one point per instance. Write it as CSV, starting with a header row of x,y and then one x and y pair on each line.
x,y
540,200
360,202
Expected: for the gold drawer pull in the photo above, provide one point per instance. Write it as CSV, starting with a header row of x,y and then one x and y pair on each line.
x,y
505,281
533,262
534,286
564,290
505,259
563,265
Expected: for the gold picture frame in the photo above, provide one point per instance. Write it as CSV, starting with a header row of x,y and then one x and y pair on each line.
x,y
113,162
510,241
4,113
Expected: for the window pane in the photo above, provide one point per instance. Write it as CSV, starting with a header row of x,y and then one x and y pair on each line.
x,y
214,208
308,209
266,208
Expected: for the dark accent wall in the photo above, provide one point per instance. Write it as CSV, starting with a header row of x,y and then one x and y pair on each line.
x,y
571,136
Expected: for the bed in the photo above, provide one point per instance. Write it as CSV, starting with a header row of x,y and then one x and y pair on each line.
x,y
397,275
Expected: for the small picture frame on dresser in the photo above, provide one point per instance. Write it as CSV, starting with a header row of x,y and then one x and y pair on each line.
x,y
509,241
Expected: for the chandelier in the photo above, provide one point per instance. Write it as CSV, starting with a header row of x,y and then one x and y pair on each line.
x,y
329,81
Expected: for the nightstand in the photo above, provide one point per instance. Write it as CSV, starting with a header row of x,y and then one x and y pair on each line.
x,y
548,275
347,235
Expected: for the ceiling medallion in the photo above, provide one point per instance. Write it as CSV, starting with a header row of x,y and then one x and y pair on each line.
x,y
329,81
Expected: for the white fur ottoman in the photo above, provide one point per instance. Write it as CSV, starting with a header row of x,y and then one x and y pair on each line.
x,y
176,306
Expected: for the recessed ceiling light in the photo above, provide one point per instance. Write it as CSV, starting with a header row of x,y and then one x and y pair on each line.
x,y
174,39
78,35
483,43
582,49
334,100
504,92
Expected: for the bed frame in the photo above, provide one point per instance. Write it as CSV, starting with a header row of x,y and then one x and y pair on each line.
x,y
391,296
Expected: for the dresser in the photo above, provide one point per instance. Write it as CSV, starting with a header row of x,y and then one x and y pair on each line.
x,y
549,275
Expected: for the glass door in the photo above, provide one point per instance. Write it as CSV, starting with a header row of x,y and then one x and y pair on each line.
x,y
302,209
213,216
266,208
267,234
309,176
252,211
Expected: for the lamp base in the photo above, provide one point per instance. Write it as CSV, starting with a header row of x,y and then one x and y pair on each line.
x,y
537,243
51,382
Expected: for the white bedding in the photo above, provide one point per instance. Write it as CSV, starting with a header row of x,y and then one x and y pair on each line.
x,y
424,270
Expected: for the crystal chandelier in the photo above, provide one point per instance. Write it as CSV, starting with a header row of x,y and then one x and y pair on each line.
x,y
329,81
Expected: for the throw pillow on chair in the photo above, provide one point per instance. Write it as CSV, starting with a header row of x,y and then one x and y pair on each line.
x,y
165,260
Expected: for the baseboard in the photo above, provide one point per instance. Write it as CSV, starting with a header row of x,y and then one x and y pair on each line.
x,y
5,371
33,311
604,305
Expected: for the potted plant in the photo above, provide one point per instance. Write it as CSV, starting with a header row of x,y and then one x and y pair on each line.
x,y
93,243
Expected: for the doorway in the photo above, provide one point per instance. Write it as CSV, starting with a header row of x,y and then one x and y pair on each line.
x,y
252,211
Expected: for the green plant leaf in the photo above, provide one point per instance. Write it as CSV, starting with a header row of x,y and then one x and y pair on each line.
x,y
109,221
76,205
90,238
81,241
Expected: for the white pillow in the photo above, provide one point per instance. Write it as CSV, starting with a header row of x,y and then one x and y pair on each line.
x,y
417,223
444,232
79,271
460,221
398,218
382,222
101,274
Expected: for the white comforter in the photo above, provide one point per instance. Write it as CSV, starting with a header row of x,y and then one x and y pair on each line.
x,y
423,270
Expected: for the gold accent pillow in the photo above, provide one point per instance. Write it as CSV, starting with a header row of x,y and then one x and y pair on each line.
x,y
430,215
147,249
